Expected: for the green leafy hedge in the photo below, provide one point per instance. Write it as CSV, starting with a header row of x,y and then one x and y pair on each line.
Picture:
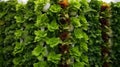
x,y
32,35
7,29
94,33
54,33
115,21
105,15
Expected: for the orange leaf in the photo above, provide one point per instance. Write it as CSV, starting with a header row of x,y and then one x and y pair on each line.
x,y
64,3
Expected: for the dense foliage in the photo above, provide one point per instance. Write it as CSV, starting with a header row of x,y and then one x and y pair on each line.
x,y
106,34
43,33
17,37
57,33
94,32
7,29
115,24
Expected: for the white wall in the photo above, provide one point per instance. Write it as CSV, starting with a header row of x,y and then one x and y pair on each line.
x,y
116,0
107,1
22,1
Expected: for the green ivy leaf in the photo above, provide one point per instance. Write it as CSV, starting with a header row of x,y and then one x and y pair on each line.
x,y
42,20
38,50
53,41
17,60
85,58
53,26
76,22
40,64
75,52
78,33
83,46
18,48
27,56
39,4
2,14
55,58
18,34
55,8
75,3
40,57
84,5
19,19
85,36
40,35
84,22
79,64
28,39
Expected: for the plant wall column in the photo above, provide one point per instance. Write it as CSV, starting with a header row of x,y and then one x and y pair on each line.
x,y
115,9
106,34
24,34
46,33
73,27
94,33
64,22
7,29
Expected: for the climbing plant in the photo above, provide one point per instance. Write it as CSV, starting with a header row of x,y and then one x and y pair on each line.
x,y
43,33
94,33
59,33
106,34
115,28
7,28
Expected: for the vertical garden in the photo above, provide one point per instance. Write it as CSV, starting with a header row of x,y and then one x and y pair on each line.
x,y
59,33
